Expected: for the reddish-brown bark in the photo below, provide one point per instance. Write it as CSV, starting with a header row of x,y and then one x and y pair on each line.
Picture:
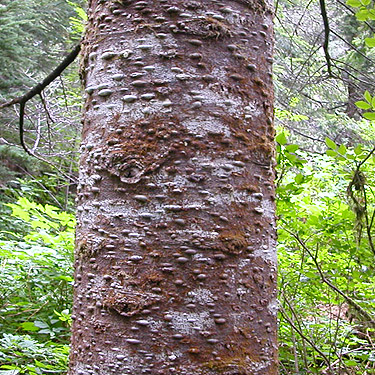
x,y
175,256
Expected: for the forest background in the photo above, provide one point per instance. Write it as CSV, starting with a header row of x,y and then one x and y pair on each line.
x,y
324,113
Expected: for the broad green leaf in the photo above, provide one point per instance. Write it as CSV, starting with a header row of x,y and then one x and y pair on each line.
x,y
292,148
64,277
40,364
330,143
362,104
29,326
356,275
281,139
362,15
365,2
370,42
291,157
367,96
353,3
362,156
299,178
331,153
350,362
369,115
342,150
358,150
313,219
310,274
19,212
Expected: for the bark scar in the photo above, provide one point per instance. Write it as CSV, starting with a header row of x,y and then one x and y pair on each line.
x,y
129,303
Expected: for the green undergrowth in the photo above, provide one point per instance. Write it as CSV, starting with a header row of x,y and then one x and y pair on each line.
x,y
35,288
326,259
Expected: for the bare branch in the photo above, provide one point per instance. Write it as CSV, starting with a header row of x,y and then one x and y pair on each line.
x,y
50,78
304,337
37,90
327,30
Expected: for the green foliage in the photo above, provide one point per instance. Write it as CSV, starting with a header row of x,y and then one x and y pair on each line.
x,y
284,114
326,259
369,103
365,12
21,354
77,23
288,158
36,289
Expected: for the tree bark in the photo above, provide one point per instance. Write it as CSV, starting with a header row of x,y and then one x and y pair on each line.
x,y
175,253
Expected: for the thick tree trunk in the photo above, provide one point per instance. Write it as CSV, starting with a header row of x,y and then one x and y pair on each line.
x,y
175,257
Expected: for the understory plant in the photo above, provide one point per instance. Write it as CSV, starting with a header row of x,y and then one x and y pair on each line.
x,y
35,289
326,260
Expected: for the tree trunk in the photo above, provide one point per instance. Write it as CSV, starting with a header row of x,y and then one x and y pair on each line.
x,y
175,254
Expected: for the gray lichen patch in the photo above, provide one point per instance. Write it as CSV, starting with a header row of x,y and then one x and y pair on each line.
x,y
188,323
204,125
201,296
253,110
273,306
129,360
267,251
215,97
130,51
269,209
203,235
111,208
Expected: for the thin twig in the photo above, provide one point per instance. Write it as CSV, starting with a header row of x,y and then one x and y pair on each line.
x,y
366,158
348,299
368,225
369,222
304,337
64,92
42,186
38,136
295,318
48,115
21,123
352,46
